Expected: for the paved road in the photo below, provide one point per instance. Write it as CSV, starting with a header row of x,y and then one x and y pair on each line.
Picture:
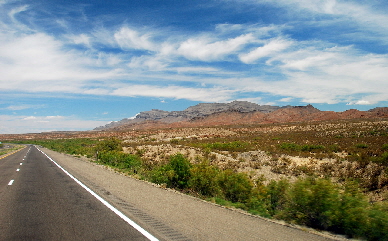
x,y
38,201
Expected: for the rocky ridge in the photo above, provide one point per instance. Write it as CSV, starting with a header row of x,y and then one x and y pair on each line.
x,y
236,112
191,113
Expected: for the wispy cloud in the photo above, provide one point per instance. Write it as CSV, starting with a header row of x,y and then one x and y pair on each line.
x,y
29,124
23,107
128,38
268,49
216,94
205,49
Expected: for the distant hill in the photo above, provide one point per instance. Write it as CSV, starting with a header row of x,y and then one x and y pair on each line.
x,y
236,112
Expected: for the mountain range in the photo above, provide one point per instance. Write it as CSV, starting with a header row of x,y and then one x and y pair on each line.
x,y
236,112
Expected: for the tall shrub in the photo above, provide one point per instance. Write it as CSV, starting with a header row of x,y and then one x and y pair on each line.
x,y
181,167
176,173
312,202
204,179
235,187
277,196
131,163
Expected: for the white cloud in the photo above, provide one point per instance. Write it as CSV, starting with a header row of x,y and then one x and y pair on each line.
x,y
359,102
29,118
148,63
130,39
176,92
268,49
27,124
80,39
12,14
287,99
369,18
205,49
196,69
23,107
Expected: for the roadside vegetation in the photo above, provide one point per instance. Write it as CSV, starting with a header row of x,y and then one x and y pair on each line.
x,y
343,188
5,150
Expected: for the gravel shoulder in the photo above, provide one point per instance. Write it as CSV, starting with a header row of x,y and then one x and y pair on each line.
x,y
169,215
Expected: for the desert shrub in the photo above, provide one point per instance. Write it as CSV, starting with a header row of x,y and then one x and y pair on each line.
x,y
289,146
235,187
377,227
228,146
120,160
203,179
312,202
111,144
176,173
384,147
319,203
277,195
361,145
351,214
383,159
181,167
258,202
311,148
160,175
174,141
292,147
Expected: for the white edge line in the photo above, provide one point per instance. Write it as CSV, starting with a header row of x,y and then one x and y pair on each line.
x,y
10,183
120,214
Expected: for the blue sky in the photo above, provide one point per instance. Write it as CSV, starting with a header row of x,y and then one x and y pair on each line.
x,y
76,65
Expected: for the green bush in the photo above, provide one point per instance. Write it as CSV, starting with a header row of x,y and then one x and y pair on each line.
x,y
289,146
235,187
161,175
228,146
258,202
384,147
292,147
204,179
350,215
176,173
277,196
181,167
361,145
120,160
384,159
312,202
111,144
312,148
377,227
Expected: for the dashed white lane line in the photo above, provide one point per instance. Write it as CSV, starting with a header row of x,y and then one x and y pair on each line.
x,y
108,205
10,182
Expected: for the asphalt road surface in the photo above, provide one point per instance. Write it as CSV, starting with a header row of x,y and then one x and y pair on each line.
x,y
38,201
